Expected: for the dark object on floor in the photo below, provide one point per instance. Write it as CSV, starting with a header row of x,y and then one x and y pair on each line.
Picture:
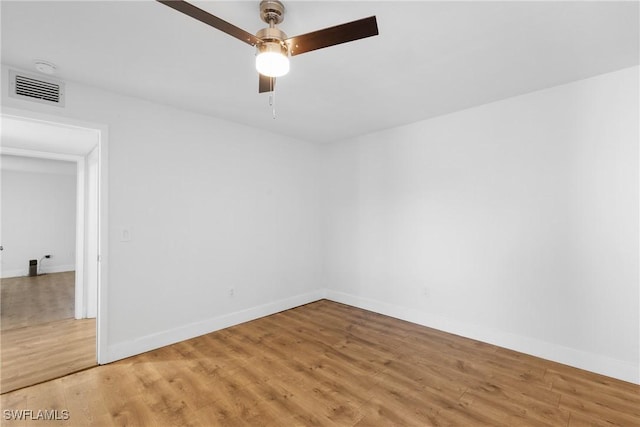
x,y
33,267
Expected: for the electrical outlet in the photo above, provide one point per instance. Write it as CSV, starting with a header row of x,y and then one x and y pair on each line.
x,y
232,292
425,292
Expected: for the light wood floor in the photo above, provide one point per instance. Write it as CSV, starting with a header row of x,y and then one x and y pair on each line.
x,y
327,364
39,339
42,352
27,301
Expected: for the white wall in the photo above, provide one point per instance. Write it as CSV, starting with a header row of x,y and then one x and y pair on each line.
x,y
211,205
515,223
519,218
38,215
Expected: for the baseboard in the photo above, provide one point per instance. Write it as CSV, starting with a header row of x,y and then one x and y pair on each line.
x,y
569,356
151,342
6,274
21,272
57,268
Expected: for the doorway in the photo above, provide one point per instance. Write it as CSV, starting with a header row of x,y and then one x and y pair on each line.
x,y
46,138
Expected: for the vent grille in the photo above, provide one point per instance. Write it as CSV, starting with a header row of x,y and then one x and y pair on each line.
x,y
38,89
35,88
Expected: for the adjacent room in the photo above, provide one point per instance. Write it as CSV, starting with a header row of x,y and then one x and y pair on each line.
x,y
347,213
41,337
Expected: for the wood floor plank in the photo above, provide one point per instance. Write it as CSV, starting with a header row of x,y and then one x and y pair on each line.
x,y
89,407
27,301
39,338
328,364
609,391
612,414
29,355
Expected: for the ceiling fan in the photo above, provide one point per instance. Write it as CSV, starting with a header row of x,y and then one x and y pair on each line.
x,y
273,47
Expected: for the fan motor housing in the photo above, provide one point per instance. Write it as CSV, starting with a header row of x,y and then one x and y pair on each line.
x,y
272,41
271,34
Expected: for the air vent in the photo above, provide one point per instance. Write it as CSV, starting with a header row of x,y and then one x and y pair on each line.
x,y
36,88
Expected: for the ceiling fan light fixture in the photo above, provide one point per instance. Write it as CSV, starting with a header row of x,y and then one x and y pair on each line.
x,y
273,45
272,59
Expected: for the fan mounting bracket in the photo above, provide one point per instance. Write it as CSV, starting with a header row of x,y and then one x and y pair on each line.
x,y
272,11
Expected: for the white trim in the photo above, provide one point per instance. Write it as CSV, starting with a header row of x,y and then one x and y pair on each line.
x,y
160,339
57,268
102,347
39,154
33,116
80,309
604,365
92,215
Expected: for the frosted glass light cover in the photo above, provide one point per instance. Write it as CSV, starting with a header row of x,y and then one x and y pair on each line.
x,y
272,64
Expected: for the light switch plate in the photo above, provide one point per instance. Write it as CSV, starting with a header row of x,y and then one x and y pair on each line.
x,y
125,234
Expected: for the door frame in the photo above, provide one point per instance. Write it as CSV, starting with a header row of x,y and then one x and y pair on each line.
x,y
102,213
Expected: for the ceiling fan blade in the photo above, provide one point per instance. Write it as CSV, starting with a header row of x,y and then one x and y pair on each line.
x,y
209,19
266,84
332,36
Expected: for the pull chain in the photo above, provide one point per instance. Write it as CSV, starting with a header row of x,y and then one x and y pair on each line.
x,y
272,100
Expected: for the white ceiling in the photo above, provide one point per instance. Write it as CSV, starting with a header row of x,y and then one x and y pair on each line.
x,y
431,58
